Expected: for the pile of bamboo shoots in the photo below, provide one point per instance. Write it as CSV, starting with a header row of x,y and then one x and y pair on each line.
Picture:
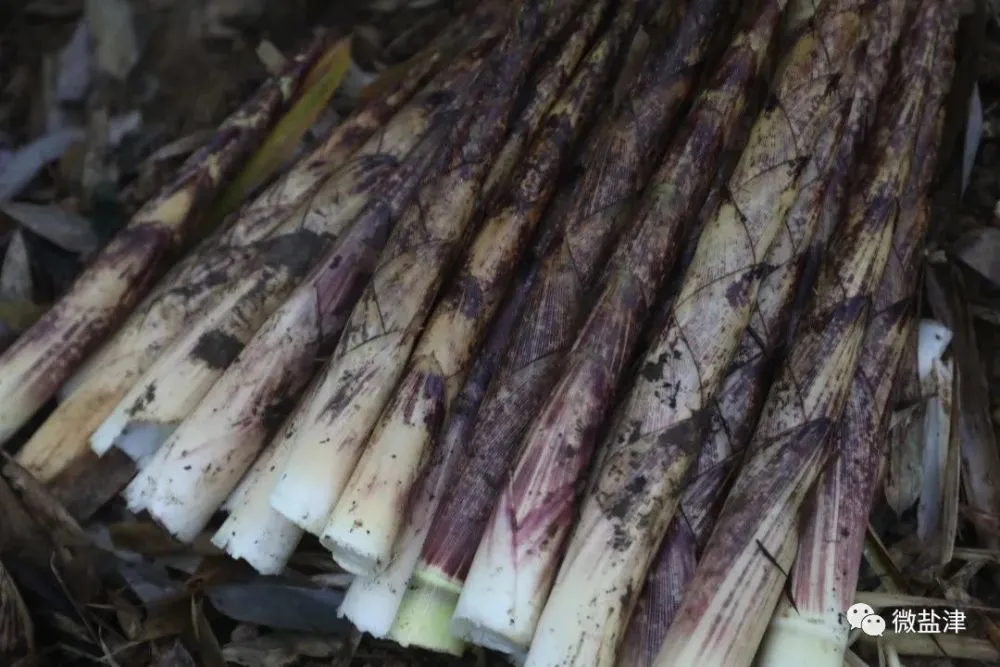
x,y
575,341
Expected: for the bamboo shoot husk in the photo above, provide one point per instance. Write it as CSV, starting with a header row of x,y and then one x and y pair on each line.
x,y
619,160
384,326
366,521
739,577
824,579
43,358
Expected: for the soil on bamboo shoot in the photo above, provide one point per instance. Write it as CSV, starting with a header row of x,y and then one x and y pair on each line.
x,y
824,579
45,356
755,536
196,469
381,483
384,326
620,159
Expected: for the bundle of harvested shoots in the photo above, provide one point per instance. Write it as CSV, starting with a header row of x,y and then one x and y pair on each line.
x,y
333,422
824,579
657,430
739,577
264,537
737,405
364,524
620,159
551,360
37,364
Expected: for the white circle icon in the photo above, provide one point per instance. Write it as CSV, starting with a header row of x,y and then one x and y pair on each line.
x,y
862,616
857,612
873,625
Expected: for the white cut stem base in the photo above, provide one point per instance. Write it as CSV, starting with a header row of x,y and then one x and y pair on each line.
x,y
254,531
357,556
141,440
107,433
793,639
371,604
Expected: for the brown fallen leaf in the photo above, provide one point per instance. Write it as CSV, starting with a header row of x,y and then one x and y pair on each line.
x,y
174,655
15,272
209,650
280,602
20,314
980,458
17,631
64,228
90,481
281,649
979,249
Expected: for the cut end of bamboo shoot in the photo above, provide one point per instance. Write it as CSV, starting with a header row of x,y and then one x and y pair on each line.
x,y
355,550
370,606
423,620
487,622
107,433
793,637
141,440
261,537
297,501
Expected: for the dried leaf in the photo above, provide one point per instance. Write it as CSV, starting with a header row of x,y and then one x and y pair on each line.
x,y
128,615
17,631
116,49
980,457
284,139
281,650
21,314
278,602
209,651
66,229
175,655
43,508
938,459
73,76
29,160
15,274
150,583
979,249
973,135
144,537
89,482
169,620
883,600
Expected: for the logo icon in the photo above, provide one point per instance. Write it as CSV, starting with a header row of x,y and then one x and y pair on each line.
x,y
873,625
862,617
